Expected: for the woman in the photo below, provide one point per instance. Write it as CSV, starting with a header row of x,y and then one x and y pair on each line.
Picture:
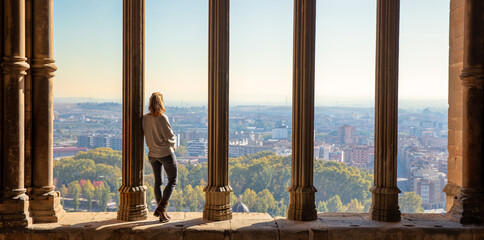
x,y
161,145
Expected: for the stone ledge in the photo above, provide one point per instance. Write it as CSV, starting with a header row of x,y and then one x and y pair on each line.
x,y
190,225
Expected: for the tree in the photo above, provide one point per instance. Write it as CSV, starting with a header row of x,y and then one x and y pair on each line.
x,y
233,198
181,151
190,198
410,202
64,191
200,196
281,209
265,201
102,155
367,205
88,192
322,207
354,207
249,198
334,204
103,194
67,170
74,189
177,199
150,196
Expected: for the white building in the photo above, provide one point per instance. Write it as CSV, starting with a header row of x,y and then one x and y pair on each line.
x,y
280,132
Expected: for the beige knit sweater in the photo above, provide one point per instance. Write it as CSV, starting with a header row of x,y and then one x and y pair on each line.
x,y
159,136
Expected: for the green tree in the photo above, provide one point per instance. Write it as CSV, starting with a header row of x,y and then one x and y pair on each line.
x,y
281,208
367,205
105,156
181,151
249,198
334,204
200,196
182,175
150,196
265,201
64,192
354,207
103,194
74,189
410,202
177,199
116,196
67,170
233,198
190,198
338,179
88,192
322,207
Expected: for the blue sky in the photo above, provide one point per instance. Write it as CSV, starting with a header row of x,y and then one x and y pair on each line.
x,y
88,51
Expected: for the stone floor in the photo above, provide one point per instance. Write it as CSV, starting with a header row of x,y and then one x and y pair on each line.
x,y
190,225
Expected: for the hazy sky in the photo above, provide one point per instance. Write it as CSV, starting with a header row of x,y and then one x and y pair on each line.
x,y
88,50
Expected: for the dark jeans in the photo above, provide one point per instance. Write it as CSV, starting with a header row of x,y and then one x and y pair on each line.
x,y
170,165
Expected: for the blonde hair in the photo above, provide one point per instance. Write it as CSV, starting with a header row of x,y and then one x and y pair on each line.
x,y
156,107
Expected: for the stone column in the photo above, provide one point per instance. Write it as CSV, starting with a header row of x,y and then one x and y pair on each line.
x,y
133,193
28,101
45,204
469,205
456,50
384,205
217,192
14,202
301,192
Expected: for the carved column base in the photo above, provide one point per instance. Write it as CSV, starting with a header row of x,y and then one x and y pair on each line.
x,y
132,206
468,207
217,204
451,191
45,205
14,212
385,207
301,204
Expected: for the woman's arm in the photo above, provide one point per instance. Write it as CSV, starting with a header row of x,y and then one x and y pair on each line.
x,y
167,131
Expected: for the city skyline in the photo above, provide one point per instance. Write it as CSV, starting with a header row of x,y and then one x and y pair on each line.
x,y
261,51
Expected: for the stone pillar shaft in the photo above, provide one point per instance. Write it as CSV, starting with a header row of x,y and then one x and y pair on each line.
x,y
132,192
28,99
44,201
385,191
469,205
302,192
217,201
13,202
456,50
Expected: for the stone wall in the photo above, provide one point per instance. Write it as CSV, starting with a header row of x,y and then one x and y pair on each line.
x,y
456,44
